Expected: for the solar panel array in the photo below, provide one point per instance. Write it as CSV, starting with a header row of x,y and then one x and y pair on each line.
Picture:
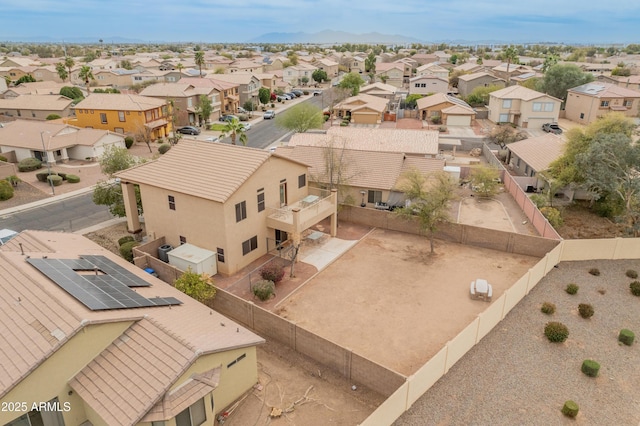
x,y
109,289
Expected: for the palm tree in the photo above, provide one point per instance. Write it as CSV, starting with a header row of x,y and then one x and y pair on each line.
x,y
87,75
180,67
69,63
199,59
62,71
235,128
511,55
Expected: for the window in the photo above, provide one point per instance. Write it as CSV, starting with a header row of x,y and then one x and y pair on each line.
x,y
58,153
189,102
241,211
518,163
172,202
628,103
220,254
423,84
537,106
375,197
417,85
260,200
548,106
581,115
504,118
118,130
526,169
183,240
604,104
506,103
302,181
237,360
195,415
103,118
250,245
121,116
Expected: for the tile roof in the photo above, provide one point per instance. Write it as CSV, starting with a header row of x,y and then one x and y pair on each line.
x,y
538,152
36,102
119,102
377,87
426,77
440,98
176,90
519,92
37,317
364,169
475,75
423,142
363,100
210,171
27,134
605,90
236,77
39,88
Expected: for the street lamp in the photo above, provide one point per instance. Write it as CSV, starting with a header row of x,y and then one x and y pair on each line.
x,y
44,150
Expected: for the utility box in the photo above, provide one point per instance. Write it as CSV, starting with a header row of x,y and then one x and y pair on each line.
x,y
162,252
198,259
453,171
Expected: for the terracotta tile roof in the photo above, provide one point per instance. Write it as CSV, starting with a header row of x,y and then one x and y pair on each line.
x,y
361,101
538,152
475,75
440,98
27,134
519,92
605,90
119,102
424,142
133,373
36,102
37,317
210,171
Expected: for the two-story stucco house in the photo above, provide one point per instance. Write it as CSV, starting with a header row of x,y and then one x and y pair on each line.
x,y
523,107
185,98
588,102
426,84
234,201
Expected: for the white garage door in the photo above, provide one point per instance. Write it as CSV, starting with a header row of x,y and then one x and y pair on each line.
x,y
536,123
458,120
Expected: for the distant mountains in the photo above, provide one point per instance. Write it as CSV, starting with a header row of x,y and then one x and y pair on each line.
x,y
78,40
329,36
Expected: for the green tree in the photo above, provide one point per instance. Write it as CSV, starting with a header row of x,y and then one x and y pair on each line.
x,y
351,81
108,193
264,95
62,71
72,93
370,63
561,77
27,78
304,80
549,61
485,180
621,71
234,129
480,95
578,141
126,64
300,118
319,76
86,75
453,59
69,63
204,108
116,159
510,54
454,76
197,286
612,162
430,199
412,100
199,60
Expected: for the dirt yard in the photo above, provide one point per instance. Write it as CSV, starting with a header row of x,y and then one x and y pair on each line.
x,y
581,222
412,301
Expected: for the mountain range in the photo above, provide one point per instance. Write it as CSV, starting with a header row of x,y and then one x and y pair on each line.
x,y
330,36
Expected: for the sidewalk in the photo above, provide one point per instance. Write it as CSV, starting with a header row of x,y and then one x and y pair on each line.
x,y
46,201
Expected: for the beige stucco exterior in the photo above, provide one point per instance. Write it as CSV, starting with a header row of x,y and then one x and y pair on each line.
x,y
585,109
426,84
530,112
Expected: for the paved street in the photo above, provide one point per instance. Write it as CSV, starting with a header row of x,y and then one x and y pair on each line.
x,y
68,215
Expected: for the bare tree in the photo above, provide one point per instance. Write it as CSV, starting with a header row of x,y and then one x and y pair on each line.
x,y
144,134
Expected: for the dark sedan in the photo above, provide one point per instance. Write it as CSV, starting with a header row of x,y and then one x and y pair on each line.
x,y
189,130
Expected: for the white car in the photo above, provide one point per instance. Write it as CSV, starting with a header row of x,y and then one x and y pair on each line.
x,y
246,126
212,139
6,235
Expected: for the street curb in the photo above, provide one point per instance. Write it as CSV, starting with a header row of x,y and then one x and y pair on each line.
x,y
43,202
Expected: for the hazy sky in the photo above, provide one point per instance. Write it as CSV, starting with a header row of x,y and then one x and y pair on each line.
x,y
588,21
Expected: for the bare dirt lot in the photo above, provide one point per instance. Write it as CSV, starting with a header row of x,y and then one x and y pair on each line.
x,y
391,301
581,222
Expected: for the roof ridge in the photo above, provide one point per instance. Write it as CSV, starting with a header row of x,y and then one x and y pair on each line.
x,y
172,334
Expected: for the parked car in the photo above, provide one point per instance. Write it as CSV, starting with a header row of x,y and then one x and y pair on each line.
x,y
246,126
212,139
317,92
291,95
229,117
297,92
269,114
6,235
241,110
282,98
552,128
189,130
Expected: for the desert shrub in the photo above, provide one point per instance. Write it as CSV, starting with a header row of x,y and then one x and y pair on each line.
x,y
73,179
585,310
55,180
553,216
52,117
595,272
548,308
3,158
125,239
164,148
128,142
6,190
126,250
344,124
631,273
556,332
572,288
442,129
263,289
436,119
570,409
539,200
42,176
13,180
29,165
590,367
243,117
62,175
626,336
635,288
326,118
272,272
305,92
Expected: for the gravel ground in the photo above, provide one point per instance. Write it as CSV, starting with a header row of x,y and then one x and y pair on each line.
x,y
515,376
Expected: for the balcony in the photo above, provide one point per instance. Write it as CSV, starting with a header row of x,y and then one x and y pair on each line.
x,y
304,213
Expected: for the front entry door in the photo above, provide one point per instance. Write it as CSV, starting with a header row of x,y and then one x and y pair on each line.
x,y
281,237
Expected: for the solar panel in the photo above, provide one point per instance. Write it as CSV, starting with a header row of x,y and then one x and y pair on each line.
x,y
107,290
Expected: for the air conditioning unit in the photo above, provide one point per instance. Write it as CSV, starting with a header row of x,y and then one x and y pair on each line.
x,y
163,251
